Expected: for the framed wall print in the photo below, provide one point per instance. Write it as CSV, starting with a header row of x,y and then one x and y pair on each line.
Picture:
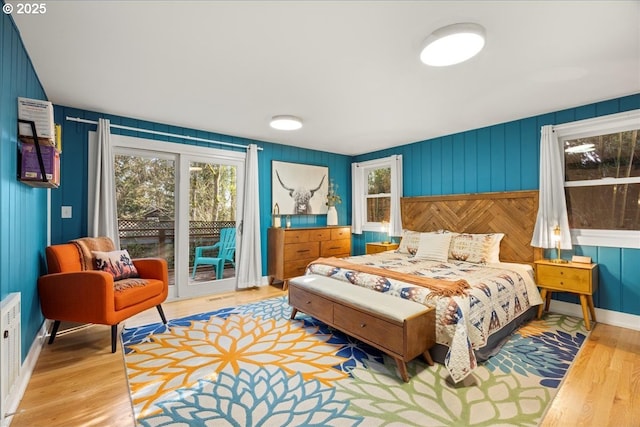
x,y
299,189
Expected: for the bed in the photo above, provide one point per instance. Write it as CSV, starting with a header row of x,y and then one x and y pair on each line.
x,y
482,294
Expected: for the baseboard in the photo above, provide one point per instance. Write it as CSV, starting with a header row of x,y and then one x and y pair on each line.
x,y
26,370
613,318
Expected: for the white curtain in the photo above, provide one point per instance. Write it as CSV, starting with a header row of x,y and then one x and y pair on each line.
x,y
104,221
395,222
552,206
250,265
357,198
358,179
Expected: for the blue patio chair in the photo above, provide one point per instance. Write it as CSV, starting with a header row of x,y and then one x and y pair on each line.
x,y
226,253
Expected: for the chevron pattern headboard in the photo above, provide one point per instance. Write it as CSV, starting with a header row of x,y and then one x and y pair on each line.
x,y
512,213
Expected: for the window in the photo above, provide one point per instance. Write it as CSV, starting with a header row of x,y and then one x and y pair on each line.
x,y
377,188
602,179
378,194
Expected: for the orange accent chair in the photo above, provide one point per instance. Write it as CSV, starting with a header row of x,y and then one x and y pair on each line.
x,y
75,290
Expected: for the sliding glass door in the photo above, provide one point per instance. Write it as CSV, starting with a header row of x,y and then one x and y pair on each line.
x,y
212,214
181,203
145,198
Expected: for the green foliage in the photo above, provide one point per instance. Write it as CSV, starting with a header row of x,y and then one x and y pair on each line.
x,y
332,195
145,186
379,181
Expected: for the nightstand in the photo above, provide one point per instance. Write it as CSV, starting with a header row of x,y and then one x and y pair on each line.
x,y
578,278
375,247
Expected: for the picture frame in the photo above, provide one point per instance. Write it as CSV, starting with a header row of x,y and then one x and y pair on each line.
x,y
299,189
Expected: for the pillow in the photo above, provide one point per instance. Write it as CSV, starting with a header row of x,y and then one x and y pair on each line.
x,y
434,246
117,263
411,240
476,248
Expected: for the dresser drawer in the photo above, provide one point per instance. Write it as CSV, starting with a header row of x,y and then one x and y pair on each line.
x,y
335,248
296,267
296,236
340,233
311,304
369,328
320,234
564,278
296,251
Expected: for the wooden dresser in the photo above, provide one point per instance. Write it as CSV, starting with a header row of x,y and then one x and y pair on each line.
x,y
290,250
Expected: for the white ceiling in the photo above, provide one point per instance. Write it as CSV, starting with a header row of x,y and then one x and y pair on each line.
x,y
349,69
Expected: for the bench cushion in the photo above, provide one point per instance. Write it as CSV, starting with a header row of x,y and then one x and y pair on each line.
x,y
387,306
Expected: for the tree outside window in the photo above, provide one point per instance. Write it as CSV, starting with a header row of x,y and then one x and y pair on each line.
x,y
378,195
602,179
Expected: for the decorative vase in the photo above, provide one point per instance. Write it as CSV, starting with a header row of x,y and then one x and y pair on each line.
x,y
332,216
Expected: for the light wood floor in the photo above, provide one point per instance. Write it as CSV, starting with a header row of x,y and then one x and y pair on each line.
x,y
79,382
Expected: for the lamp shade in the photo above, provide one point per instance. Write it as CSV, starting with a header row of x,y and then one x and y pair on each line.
x,y
453,44
285,122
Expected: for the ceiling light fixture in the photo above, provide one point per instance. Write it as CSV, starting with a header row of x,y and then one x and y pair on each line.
x,y
286,122
453,44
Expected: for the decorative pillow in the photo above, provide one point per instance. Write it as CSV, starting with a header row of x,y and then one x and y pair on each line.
x,y
409,242
117,263
434,246
476,248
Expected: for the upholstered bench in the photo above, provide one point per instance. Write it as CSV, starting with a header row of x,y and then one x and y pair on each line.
x,y
401,328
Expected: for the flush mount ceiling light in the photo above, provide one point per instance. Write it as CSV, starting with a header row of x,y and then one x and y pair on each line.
x,y
453,44
286,122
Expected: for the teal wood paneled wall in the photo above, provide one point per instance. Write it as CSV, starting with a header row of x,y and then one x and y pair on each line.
x,y
23,209
505,157
73,190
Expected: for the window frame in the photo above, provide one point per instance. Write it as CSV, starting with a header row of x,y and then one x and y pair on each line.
x,y
371,225
362,175
612,123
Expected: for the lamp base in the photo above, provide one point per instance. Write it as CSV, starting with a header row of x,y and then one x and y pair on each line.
x,y
558,261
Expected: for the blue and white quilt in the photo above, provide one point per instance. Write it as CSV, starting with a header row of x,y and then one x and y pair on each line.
x,y
499,293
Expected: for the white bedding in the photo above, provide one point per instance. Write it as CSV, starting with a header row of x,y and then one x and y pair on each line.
x,y
499,293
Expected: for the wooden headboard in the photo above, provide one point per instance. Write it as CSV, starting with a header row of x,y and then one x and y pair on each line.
x,y
512,213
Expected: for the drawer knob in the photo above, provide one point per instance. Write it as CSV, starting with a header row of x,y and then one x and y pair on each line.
x,y
362,325
561,282
308,302
561,273
300,251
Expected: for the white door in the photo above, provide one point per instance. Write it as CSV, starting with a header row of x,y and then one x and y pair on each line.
x,y
174,198
211,209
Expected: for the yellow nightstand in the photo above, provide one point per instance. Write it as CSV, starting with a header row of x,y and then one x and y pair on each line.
x,y
375,247
581,279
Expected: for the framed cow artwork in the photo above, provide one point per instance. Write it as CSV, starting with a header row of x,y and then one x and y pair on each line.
x,y
299,189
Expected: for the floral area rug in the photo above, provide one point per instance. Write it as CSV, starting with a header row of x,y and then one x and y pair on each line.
x,y
252,366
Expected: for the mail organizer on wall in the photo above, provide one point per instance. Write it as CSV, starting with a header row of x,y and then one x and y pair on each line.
x,y
38,161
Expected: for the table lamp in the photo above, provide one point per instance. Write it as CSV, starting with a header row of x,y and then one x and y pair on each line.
x,y
556,238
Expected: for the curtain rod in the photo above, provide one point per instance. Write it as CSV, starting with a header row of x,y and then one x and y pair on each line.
x,y
155,132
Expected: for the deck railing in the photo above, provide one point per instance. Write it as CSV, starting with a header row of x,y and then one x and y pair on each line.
x,y
151,237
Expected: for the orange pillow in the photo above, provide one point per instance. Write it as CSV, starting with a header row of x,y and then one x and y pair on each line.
x,y
117,263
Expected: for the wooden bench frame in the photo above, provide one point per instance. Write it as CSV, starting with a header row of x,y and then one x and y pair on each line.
x,y
402,340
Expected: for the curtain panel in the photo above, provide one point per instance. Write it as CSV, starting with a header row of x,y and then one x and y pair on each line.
x,y
250,260
552,206
103,218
